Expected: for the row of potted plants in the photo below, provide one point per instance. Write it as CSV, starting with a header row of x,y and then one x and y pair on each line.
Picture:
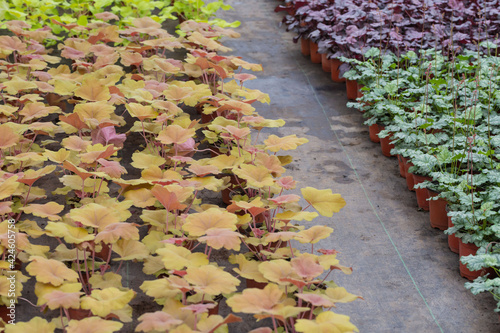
x,y
435,108
62,16
69,117
440,118
329,30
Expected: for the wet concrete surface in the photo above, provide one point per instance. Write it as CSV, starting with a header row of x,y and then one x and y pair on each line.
x,y
402,267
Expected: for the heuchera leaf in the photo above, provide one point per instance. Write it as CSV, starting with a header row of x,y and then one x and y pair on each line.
x,y
314,234
36,324
211,280
324,201
48,210
157,321
103,302
326,322
198,224
50,271
60,299
222,238
94,325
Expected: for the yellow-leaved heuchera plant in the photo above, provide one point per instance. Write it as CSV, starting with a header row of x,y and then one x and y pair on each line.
x,y
112,150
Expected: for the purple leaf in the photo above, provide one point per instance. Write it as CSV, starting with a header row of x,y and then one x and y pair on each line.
x,y
107,135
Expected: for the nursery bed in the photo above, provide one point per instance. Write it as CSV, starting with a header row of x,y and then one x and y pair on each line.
x,y
402,267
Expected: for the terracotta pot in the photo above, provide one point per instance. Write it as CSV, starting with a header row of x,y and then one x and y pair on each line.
x,y
465,249
385,143
234,185
5,311
334,67
206,118
226,196
79,314
305,47
374,130
422,193
401,163
104,253
359,91
315,56
437,212
409,175
214,311
452,239
351,89
325,63
254,284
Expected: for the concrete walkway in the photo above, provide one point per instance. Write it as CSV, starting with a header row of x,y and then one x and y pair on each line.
x,y
402,267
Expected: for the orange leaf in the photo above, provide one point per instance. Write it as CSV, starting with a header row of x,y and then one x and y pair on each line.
x,y
8,137
175,134
48,210
93,91
167,198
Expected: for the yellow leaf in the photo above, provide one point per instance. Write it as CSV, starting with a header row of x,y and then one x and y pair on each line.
x,y
161,288
176,257
208,43
93,90
99,111
72,235
271,162
211,280
107,280
143,160
36,324
75,143
31,175
37,110
141,197
246,65
277,270
8,186
141,111
248,269
103,302
274,143
129,249
326,322
50,271
314,234
157,321
17,84
113,232
256,176
42,289
175,134
64,87
8,137
48,210
7,110
93,325
197,224
94,215
257,300
222,238
324,201
57,156
60,299
340,295
210,183
225,162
